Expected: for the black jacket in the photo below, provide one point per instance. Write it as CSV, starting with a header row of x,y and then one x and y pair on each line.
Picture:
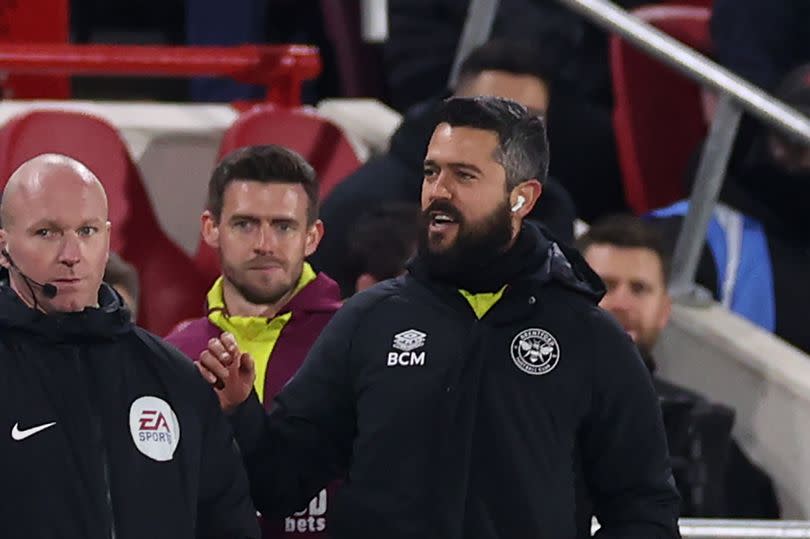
x,y
90,409
442,431
397,177
715,477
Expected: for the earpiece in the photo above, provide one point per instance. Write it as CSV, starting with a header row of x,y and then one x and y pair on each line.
x,y
521,200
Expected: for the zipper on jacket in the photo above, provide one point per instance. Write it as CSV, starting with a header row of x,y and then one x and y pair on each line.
x,y
105,460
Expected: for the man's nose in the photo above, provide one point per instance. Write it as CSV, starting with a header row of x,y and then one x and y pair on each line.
x,y
71,252
618,299
440,189
266,241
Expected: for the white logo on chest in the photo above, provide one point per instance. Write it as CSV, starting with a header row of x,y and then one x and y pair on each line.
x,y
535,351
154,427
407,342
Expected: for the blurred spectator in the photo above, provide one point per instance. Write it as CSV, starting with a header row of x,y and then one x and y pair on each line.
x,y
381,243
629,255
256,22
210,23
123,277
497,69
424,35
262,218
761,42
757,257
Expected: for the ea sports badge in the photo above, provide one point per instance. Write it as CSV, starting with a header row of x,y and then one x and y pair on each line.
x,y
154,427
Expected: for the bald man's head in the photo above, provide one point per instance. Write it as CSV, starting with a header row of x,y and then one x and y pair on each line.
x,y
55,229
52,172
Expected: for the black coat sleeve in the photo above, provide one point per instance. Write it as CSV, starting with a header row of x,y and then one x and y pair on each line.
x,y
305,441
224,507
626,459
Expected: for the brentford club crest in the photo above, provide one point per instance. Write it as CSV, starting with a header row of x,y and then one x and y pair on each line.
x,y
535,351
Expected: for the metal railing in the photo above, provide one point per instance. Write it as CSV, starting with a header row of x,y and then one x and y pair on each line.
x,y
736,95
280,68
750,529
709,528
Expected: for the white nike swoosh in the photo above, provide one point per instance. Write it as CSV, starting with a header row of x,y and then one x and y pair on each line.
x,y
17,434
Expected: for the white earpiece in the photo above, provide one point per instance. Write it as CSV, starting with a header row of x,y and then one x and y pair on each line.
x,y
521,200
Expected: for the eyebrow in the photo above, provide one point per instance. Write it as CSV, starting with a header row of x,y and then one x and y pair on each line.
x,y
469,166
49,223
273,219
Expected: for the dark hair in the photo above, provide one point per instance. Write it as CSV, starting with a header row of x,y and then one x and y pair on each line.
x,y
522,143
265,164
515,57
120,273
626,231
382,240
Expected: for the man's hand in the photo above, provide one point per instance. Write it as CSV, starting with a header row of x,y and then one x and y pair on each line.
x,y
229,370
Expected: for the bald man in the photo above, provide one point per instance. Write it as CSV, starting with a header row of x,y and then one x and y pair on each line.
x,y
105,431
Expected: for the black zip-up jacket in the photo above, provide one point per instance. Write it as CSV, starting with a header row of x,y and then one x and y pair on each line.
x,y
109,433
521,424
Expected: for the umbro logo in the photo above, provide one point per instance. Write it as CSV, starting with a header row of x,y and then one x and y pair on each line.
x,y
409,340
406,342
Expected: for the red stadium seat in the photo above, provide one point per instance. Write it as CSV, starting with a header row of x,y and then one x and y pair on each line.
x,y
658,115
171,289
321,143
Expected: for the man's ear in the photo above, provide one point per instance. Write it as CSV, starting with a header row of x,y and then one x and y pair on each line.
x,y
209,226
3,247
314,236
665,312
530,191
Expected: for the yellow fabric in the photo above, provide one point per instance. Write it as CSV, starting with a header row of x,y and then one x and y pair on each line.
x,y
482,303
255,335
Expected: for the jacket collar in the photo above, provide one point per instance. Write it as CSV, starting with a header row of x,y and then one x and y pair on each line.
x,y
313,293
536,259
107,321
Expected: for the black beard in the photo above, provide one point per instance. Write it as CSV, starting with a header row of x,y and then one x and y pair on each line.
x,y
475,246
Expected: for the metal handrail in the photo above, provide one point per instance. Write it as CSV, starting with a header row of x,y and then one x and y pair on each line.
x,y
280,68
693,528
693,64
711,528
735,95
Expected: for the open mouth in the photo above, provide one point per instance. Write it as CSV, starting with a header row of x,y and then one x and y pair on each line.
x,y
440,221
